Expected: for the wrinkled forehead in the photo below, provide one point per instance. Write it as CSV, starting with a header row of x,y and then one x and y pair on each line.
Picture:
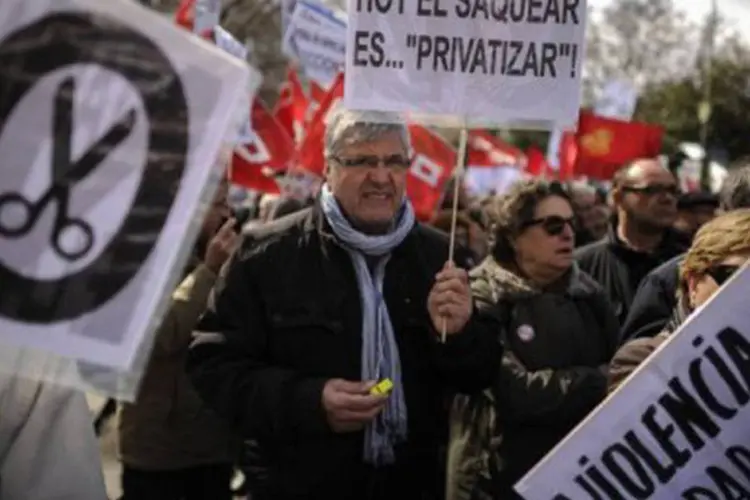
x,y
370,135
553,205
385,143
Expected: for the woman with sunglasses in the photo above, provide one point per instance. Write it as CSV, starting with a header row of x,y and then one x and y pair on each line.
x,y
719,249
559,333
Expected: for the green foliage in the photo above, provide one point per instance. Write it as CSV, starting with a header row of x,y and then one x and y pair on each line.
x,y
653,45
638,40
674,105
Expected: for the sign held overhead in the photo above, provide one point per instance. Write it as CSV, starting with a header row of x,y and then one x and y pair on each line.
x,y
499,61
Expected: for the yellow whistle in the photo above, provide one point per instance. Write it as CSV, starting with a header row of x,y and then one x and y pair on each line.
x,y
383,388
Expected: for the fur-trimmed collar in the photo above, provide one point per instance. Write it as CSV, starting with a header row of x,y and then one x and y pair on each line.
x,y
504,284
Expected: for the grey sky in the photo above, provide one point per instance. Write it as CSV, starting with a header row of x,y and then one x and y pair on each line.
x,y
736,12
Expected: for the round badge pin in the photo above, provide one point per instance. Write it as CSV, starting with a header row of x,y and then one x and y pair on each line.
x,y
526,333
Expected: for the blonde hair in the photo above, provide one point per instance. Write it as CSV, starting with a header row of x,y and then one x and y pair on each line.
x,y
724,236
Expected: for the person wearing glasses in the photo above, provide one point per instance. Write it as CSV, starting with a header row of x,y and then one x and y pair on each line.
x,y
641,238
720,248
656,296
322,306
559,334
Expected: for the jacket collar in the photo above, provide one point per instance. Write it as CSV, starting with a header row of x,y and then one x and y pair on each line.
x,y
669,245
508,285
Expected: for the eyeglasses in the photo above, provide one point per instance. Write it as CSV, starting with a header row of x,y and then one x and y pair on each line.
x,y
721,272
392,162
654,189
553,225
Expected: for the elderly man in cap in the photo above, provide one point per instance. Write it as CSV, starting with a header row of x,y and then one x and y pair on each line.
x,y
325,304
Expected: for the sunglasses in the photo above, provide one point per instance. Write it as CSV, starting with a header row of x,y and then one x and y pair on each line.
x,y
721,273
553,225
393,162
654,189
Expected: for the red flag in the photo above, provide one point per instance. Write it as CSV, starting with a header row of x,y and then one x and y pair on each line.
x,y
486,150
255,164
606,144
431,168
185,14
318,93
310,153
536,164
292,106
568,156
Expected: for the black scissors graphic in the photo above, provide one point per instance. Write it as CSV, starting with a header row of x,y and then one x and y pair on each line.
x,y
65,174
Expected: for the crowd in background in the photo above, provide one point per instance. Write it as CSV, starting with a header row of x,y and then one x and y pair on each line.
x,y
291,311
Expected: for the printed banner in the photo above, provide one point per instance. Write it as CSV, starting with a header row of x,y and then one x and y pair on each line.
x,y
506,62
677,429
316,38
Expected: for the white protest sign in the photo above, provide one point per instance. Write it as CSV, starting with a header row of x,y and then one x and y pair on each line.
x,y
99,203
618,100
317,39
287,10
229,44
481,181
677,429
508,62
206,15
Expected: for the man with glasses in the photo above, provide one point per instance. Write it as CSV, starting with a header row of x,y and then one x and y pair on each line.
x,y
329,302
657,295
641,238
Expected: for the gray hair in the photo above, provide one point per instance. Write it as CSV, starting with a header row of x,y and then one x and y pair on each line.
x,y
345,127
735,190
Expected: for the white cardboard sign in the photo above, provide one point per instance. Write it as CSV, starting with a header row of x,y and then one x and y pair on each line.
x,y
507,62
618,100
110,128
677,429
317,39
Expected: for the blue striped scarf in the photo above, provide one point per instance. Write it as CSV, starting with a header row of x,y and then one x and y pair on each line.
x,y
380,357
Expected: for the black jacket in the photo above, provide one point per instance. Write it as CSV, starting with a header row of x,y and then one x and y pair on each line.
x,y
558,344
654,302
620,269
287,318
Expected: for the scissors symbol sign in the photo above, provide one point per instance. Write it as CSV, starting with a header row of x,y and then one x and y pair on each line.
x,y
19,215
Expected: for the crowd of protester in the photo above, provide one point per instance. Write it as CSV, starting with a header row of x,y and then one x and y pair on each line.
x,y
291,311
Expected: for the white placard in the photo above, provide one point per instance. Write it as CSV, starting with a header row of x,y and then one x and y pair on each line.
x,y
206,15
229,44
677,429
316,38
618,100
287,10
482,181
139,109
515,63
